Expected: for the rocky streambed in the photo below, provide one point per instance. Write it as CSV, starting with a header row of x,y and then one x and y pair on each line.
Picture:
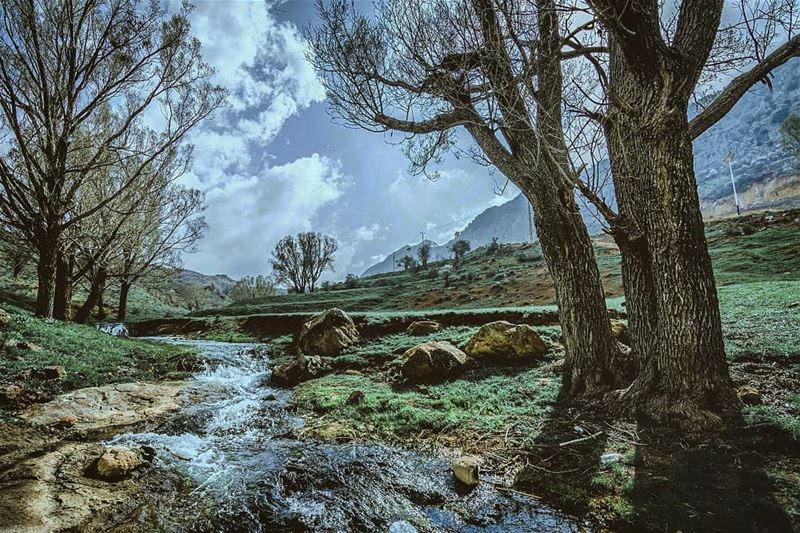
x,y
223,455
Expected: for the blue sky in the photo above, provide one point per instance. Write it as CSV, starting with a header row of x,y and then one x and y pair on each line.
x,y
273,163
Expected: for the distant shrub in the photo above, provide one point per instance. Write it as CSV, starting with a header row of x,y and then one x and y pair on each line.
x,y
493,247
351,281
433,273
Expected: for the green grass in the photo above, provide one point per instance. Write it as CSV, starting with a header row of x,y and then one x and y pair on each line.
x,y
89,356
761,320
480,403
786,417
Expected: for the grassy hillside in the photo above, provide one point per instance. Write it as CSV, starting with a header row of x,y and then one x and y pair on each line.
x,y
160,295
754,247
90,357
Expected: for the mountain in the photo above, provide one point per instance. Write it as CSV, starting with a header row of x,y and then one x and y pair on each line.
x,y
391,261
750,130
219,283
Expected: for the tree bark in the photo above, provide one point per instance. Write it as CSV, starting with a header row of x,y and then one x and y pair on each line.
x,y
683,377
47,246
95,296
62,301
122,308
591,363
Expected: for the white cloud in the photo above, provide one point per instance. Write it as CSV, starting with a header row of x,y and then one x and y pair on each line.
x,y
250,213
368,233
465,193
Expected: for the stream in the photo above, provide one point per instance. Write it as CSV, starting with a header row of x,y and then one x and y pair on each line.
x,y
248,473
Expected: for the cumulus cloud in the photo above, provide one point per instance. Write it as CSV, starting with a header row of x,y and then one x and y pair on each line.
x,y
260,61
250,213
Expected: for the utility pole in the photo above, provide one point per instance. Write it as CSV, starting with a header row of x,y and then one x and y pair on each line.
x,y
394,263
729,159
530,223
423,237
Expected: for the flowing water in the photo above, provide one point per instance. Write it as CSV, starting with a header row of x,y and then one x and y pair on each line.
x,y
248,473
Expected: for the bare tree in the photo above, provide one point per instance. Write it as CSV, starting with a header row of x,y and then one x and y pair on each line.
x,y
251,287
408,263
300,260
659,55
103,66
459,249
494,68
424,253
166,223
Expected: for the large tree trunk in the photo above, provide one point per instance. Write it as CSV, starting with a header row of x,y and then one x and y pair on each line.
x,y
47,246
122,308
62,301
591,362
95,296
683,377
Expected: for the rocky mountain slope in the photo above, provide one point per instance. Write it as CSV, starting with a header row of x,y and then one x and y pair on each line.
x,y
766,175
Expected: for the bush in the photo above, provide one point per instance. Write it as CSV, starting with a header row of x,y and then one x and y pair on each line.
x,y
351,281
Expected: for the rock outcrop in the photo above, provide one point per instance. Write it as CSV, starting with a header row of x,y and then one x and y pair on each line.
x,y
620,331
109,406
328,333
303,368
419,328
433,362
504,341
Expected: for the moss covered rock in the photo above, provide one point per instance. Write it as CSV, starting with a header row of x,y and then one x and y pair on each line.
x,y
505,341
328,333
433,362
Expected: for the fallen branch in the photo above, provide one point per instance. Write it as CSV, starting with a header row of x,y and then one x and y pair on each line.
x,y
582,439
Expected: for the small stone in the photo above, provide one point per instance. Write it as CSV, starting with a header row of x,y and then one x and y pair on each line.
x,y
619,329
356,397
302,369
611,457
328,333
433,362
117,463
423,327
466,470
402,526
10,393
749,395
4,319
67,421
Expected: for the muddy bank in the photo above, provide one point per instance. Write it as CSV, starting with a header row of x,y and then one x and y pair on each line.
x,y
370,325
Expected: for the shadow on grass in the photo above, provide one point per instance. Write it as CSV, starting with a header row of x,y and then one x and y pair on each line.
x,y
657,483
721,485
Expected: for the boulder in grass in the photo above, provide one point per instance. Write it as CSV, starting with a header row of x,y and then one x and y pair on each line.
x,y
302,369
328,333
419,328
433,362
504,341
